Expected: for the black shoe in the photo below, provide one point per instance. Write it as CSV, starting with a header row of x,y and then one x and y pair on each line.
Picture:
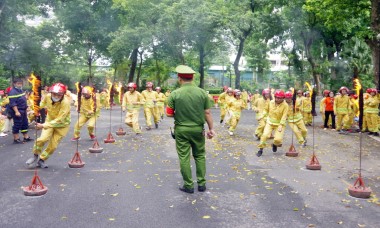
x,y
274,148
187,190
41,164
221,121
156,125
202,188
371,133
375,134
28,139
17,141
260,152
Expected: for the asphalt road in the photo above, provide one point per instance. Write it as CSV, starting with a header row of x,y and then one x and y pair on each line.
x,y
134,182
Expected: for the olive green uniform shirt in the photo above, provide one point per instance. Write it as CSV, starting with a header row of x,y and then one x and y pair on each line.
x,y
189,103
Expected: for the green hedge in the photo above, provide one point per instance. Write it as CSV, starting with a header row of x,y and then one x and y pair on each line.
x,y
214,91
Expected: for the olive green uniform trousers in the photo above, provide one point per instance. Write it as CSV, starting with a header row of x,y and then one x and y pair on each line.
x,y
191,139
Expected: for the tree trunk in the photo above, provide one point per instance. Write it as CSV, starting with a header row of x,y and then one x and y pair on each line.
x,y
89,80
139,71
202,67
158,73
375,42
133,64
236,63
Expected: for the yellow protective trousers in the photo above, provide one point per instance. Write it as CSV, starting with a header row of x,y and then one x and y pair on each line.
x,y
149,112
365,125
51,135
160,109
2,123
223,112
307,117
299,130
132,120
82,120
342,119
278,136
260,129
350,121
372,122
234,121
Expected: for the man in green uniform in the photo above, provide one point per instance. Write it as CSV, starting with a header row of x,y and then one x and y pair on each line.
x,y
190,107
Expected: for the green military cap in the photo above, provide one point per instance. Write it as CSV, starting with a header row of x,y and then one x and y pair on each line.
x,y
185,71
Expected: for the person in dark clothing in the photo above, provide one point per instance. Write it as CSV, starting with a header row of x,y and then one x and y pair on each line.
x,y
18,106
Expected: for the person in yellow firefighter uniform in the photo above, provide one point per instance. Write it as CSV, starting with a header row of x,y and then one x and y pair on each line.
x,y
229,98
365,125
299,99
372,111
150,104
306,109
341,110
258,107
236,106
89,112
222,104
295,120
105,99
56,126
276,120
255,96
244,97
3,105
161,98
132,101
354,109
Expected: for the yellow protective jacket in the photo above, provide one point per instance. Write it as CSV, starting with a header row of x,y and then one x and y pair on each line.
x,y
354,106
299,101
255,97
4,102
294,115
58,113
235,106
229,99
161,98
277,113
104,96
222,100
306,104
259,106
87,106
244,96
342,104
149,97
372,104
132,101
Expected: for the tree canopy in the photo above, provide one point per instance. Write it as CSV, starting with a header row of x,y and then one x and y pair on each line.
x,y
323,42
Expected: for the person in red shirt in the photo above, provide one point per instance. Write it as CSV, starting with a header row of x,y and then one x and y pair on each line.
x,y
329,110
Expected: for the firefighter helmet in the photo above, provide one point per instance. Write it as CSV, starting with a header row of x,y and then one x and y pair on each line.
x,y
288,94
58,88
279,94
149,84
266,91
132,85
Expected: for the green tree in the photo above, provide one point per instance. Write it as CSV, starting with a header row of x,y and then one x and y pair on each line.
x,y
88,24
357,17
